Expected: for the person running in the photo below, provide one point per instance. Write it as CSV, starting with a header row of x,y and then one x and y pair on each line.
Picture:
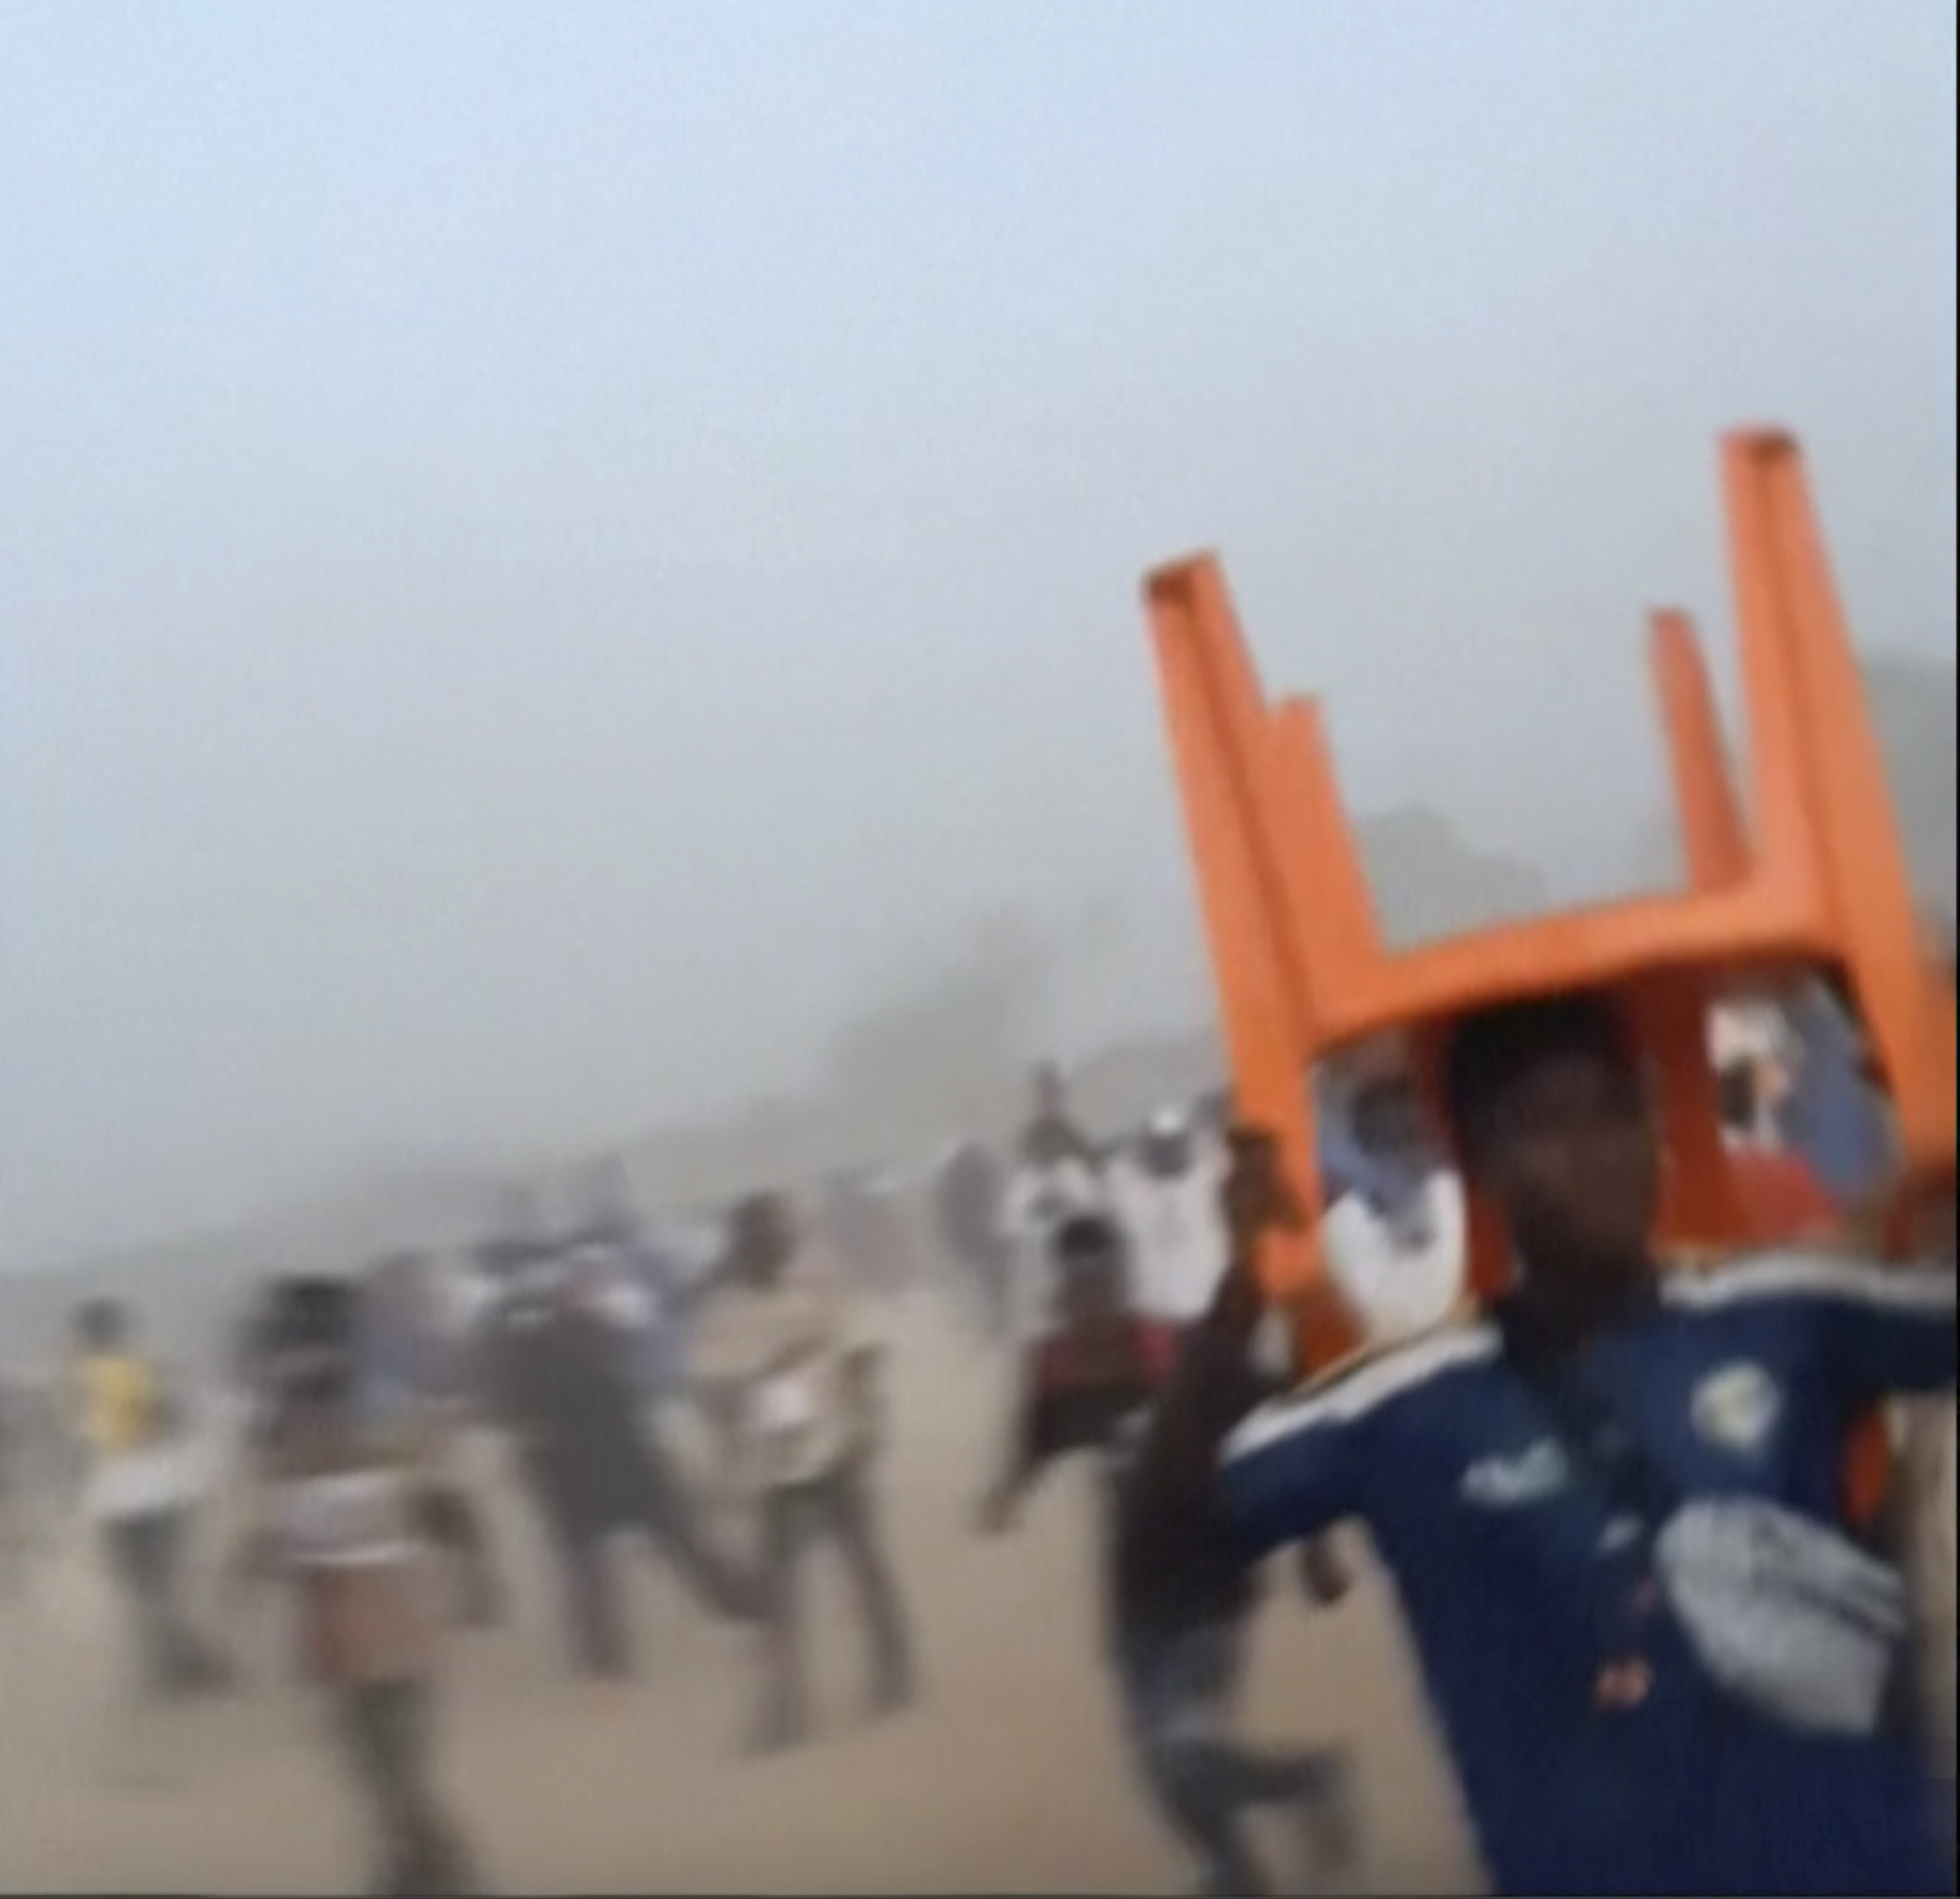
x,y
1059,1173
777,1355
563,1385
1163,1188
646,1287
343,1528
413,1373
1609,1504
1176,1645
970,1200
142,1492
861,1212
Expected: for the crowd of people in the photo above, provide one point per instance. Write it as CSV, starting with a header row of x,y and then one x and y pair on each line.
x,y
1569,1486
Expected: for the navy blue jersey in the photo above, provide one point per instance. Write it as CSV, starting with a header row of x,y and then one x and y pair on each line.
x,y
1509,1563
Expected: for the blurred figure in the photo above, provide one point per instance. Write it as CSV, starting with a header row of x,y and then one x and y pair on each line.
x,y
1059,1173
1830,1108
1783,1199
970,1202
561,1376
647,1295
344,1531
1396,1227
1176,1647
40,1474
251,1358
1165,1190
412,1385
778,1356
866,1230
141,1494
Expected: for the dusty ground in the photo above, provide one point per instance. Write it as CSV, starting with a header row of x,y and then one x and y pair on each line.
x,y
1008,1778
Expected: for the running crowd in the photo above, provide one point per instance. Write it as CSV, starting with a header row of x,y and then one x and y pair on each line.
x,y
1669,1643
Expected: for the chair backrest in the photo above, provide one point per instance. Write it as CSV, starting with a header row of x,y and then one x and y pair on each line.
x,y
1217,724
1300,966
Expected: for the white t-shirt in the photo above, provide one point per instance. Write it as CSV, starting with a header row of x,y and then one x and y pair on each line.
x,y
346,1520
627,1304
162,1477
1179,1246
1400,1276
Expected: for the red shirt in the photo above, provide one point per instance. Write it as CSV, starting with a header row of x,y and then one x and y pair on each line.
x,y
1783,1199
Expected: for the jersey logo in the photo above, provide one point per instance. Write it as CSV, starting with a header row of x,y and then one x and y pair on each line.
x,y
1735,1408
1535,1474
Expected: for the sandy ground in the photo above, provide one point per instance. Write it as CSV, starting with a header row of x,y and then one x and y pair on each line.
x,y
1008,1778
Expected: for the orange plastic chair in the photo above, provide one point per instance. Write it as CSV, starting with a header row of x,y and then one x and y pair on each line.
x,y
1217,724
1715,841
1300,967
1716,847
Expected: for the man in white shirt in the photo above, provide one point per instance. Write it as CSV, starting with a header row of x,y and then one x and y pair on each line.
x,y
1046,1191
1166,1190
783,1355
1394,1233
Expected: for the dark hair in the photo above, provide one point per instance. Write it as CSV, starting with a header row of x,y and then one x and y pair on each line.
x,y
605,1226
101,1323
1735,1096
1087,1236
510,1253
1089,1250
1490,1050
314,1312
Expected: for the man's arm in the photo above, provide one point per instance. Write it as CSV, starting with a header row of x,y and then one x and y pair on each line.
x,y
1881,1331
1890,1331
1220,1461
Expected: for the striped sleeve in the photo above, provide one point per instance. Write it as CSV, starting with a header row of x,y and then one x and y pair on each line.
x,y
1302,1463
1881,1331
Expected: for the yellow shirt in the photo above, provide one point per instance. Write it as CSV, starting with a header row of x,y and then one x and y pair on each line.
x,y
118,1403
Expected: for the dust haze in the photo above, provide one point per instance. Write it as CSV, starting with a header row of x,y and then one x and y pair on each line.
x,y
568,577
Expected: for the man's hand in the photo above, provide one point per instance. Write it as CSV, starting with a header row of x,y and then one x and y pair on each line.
x,y
1325,1577
1256,1199
1215,1385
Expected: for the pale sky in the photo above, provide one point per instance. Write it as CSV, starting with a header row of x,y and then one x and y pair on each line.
x,y
547,550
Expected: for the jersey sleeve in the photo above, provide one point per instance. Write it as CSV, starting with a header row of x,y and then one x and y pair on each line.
x,y
1300,1464
1294,1466
1890,1330
1876,1330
